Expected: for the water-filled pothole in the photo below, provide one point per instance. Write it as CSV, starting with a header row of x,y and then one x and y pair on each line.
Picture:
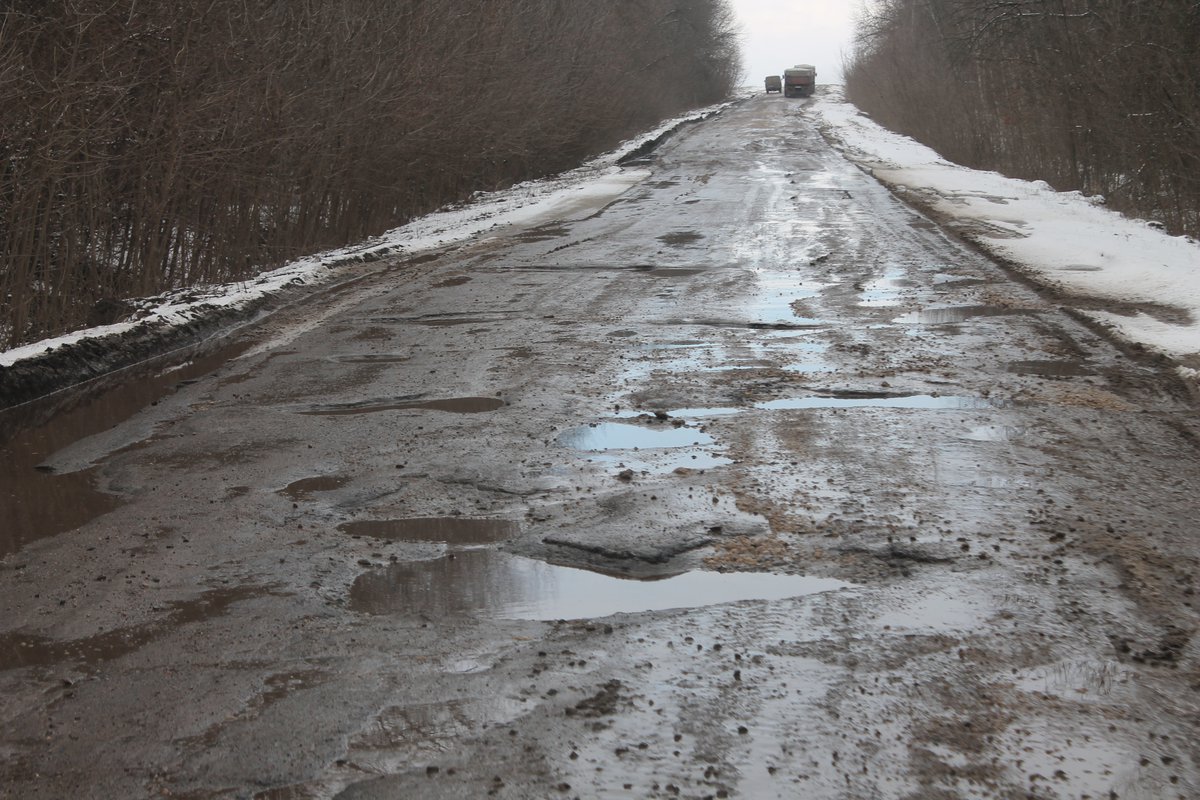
x,y
456,405
449,530
498,585
622,436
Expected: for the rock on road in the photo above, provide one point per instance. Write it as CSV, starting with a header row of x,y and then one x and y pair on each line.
x,y
930,536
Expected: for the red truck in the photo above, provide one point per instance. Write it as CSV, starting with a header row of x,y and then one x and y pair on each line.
x,y
799,81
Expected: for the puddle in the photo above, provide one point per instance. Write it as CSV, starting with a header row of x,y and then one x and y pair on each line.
x,y
450,530
498,585
917,401
306,487
622,436
19,650
952,314
1049,369
455,405
680,238
37,504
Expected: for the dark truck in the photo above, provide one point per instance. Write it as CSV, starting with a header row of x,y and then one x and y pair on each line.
x,y
774,84
799,81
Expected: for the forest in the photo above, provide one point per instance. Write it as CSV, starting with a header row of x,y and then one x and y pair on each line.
x,y
151,146
1099,96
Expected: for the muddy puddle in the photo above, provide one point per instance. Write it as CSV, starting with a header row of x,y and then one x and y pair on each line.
x,y
448,530
306,487
454,405
36,503
492,584
622,436
955,314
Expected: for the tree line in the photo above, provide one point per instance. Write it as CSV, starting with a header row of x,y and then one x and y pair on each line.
x,y
148,146
1101,96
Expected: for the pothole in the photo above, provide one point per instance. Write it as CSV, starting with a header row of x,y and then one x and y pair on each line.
x,y
488,583
447,530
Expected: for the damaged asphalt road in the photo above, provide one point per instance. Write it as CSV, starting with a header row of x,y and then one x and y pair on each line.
x,y
751,483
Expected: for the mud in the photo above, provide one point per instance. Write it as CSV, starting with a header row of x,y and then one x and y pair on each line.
x,y
822,504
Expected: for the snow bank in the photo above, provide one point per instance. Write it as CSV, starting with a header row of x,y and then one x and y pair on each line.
x,y
524,204
1061,239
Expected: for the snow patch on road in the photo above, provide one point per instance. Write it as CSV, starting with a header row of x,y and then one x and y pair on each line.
x,y
1062,239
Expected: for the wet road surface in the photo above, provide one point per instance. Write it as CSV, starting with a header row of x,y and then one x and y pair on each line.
x,y
750,483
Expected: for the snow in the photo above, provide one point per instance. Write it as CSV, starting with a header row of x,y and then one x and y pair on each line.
x,y
1064,240
560,197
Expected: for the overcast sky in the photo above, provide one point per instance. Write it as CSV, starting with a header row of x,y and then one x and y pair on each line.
x,y
779,33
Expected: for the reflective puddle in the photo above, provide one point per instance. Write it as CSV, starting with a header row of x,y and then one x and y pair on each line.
x,y
622,436
499,585
455,405
450,530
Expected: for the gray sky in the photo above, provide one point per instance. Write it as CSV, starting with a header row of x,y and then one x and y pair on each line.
x,y
779,33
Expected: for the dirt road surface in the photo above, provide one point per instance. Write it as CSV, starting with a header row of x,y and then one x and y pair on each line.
x,y
750,483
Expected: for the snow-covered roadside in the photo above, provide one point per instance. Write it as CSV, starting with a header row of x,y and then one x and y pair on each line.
x,y
1061,239
522,205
